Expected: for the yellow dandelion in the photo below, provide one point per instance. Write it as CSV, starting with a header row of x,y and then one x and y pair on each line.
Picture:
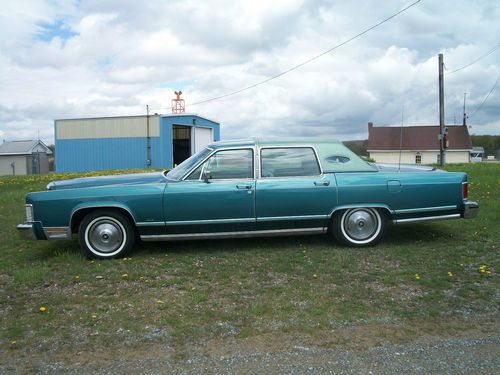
x,y
417,276
450,274
13,342
488,272
193,288
77,277
160,302
314,276
94,316
42,309
482,270
125,275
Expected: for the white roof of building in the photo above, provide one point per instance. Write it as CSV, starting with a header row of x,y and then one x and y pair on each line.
x,y
22,147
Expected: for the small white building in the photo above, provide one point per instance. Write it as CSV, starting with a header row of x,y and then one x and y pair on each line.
x,y
24,158
477,154
418,144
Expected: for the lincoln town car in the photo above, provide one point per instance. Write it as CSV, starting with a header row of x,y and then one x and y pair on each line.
x,y
247,188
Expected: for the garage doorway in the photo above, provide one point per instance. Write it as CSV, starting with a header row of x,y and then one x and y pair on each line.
x,y
181,139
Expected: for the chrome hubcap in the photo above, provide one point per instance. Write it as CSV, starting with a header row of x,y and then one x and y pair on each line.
x,y
105,235
361,224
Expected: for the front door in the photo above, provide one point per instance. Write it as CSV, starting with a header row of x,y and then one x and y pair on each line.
x,y
219,196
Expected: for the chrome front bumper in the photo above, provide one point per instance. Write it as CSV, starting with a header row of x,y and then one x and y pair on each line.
x,y
470,210
26,231
35,231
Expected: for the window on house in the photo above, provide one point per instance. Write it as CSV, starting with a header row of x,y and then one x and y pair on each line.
x,y
418,159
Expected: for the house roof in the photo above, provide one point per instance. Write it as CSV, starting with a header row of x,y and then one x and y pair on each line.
x,y
416,138
21,147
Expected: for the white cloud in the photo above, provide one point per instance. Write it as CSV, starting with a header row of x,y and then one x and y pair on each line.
x,y
114,58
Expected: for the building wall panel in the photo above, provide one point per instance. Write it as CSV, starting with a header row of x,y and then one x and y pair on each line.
x,y
113,127
6,168
82,155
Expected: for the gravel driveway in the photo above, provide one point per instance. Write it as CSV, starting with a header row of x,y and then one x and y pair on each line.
x,y
426,356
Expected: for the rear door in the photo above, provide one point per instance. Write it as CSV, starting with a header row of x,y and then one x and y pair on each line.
x,y
292,191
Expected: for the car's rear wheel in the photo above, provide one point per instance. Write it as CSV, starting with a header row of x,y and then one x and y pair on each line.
x,y
106,234
358,227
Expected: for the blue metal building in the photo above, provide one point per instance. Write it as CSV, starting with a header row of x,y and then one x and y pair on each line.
x,y
125,142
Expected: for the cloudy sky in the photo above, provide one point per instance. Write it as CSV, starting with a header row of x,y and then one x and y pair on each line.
x,y
89,58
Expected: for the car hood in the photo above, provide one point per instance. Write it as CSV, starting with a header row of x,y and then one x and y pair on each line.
x,y
121,179
386,167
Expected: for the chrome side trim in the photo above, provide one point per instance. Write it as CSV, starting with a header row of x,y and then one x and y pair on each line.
x,y
212,221
57,233
303,217
241,234
427,218
426,209
150,224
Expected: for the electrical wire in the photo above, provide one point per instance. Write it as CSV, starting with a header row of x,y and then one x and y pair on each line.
x,y
476,60
486,97
309,60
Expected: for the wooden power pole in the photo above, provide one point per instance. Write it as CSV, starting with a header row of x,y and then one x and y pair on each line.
x,y
441,111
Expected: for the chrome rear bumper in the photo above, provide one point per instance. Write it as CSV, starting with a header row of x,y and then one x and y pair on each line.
x,y
470,210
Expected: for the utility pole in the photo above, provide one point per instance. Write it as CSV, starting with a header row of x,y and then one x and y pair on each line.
x,y
441,111
148,139
465,115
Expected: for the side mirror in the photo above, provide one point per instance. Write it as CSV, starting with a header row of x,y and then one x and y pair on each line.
x,y
206,176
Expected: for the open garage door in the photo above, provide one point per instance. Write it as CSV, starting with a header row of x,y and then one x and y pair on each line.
x,y
202,137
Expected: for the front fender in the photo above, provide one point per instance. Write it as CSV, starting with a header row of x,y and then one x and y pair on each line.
x,y
104,204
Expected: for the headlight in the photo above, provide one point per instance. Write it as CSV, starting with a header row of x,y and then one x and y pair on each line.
x,y
29,213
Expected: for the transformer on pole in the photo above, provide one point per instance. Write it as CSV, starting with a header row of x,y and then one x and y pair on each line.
x,y
178,105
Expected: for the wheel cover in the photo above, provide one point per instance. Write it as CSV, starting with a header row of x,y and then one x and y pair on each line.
x,y
105,236
361,225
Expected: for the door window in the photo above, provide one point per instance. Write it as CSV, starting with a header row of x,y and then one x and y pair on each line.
x,y
226,164
289,162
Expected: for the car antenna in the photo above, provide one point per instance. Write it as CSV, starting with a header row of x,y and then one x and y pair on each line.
x,y
401,137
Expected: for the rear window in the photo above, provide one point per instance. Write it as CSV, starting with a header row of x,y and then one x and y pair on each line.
x,y
289,162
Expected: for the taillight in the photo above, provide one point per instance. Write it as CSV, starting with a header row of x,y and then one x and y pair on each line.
x,y
465,190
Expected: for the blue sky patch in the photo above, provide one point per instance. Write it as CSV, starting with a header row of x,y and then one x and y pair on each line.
x,y
58,29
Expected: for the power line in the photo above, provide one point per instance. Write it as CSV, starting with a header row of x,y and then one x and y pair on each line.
x,y
476,60
486,97
309,60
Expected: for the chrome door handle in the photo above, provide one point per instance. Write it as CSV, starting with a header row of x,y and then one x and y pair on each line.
x,y
243,186
322,183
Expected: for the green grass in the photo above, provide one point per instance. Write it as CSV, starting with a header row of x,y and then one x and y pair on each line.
x,y
186,293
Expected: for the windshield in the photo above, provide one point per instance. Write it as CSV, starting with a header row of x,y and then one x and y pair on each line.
x,y
178,172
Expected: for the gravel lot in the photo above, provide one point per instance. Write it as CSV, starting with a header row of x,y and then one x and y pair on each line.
x,y
427,356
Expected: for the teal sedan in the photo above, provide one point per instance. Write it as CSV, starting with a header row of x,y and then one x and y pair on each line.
x,y
247,188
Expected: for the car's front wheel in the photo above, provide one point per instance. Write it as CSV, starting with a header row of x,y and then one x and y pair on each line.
x,y
358,227
106,234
